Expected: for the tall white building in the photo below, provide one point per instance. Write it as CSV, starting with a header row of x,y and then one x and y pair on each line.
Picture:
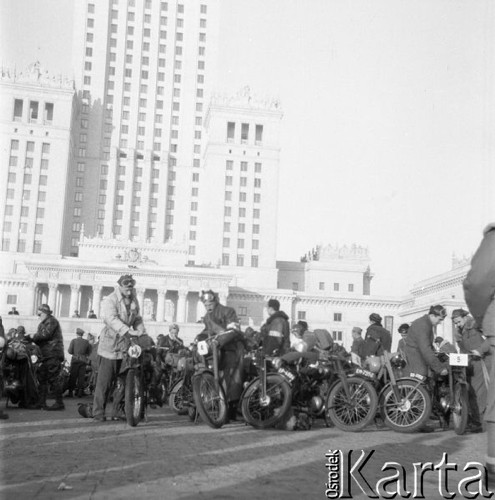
x,y
143,70
239,189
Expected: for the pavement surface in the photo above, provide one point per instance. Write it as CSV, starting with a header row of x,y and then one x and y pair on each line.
x,y
60,455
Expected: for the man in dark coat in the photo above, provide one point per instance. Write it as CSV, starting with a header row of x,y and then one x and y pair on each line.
x,y
80,349
419,343
217,320
275,333
377,339
50,341
357,340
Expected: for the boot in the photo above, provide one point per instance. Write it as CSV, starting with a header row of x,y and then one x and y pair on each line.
x,y
42,398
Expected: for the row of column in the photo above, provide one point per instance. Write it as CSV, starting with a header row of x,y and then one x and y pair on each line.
x,y
181,308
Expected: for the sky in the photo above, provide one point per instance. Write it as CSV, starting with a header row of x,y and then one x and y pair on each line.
x,y
387,135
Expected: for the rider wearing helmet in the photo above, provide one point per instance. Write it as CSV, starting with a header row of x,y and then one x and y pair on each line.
x,y
377,339
419,343
219,319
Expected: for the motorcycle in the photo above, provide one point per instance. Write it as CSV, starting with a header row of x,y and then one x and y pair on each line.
x,y
19,361
352,401
137,363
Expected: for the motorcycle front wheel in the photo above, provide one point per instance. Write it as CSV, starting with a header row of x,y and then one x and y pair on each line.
x,y
263,412
210,400
134,398
410,411
180,397
460,409
354,412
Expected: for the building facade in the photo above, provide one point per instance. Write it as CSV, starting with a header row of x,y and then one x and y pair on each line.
x,y
143,71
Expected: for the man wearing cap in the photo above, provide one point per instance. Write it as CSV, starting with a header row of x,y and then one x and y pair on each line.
x,y
80,349
419,343
218,319
50,341
357,340
444,346
120,313
275,333
377,339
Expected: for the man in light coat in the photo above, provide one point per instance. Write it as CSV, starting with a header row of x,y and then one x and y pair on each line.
x,y
120,313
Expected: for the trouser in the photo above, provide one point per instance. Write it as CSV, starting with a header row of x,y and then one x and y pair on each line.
x,y
108,374
49,373
489,331
77,375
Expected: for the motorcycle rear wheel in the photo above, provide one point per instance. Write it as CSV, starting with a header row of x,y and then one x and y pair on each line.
x,y
180,397
460,409
411,412
210,400
263,414
134,398
354,414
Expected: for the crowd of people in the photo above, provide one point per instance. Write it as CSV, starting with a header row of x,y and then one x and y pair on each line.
x,y
120,312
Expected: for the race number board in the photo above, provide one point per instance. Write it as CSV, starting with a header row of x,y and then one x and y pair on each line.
x,y
458,359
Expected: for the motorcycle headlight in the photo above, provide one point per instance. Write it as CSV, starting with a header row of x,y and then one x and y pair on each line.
x,y
34,358
277,362
134,351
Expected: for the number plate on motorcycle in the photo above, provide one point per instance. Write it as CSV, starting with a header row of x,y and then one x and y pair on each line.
x,y
458,359
365,373
203,347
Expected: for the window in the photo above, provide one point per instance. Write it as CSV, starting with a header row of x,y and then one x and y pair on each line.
x,y
243,181
242,196
337,335
241,228
12,177
295,285
350,287
41,196
256,213
37,246
7,226
257,168
301,315
18,104
78,196
13,161
226,242
230,131
44,180
255,244
240,243
77,211
48,114
228,180
225,259
227,211
336,287
240,260
337,316
257,183
322,285
28,178
259,134
254,261
40,213
44,164
256,228
242,212
244,132
10,194
257,198
226,227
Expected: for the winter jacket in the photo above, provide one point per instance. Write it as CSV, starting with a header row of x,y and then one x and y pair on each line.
x,y
479,285
419,347
49,339
118,321
275,334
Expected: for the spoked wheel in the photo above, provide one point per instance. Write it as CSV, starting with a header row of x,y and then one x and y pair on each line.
x,y
355,412
181,397
210,400
460,409
410,412
134,398
266,412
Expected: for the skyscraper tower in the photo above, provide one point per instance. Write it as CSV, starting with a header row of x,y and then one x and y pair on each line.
x,y
143,70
